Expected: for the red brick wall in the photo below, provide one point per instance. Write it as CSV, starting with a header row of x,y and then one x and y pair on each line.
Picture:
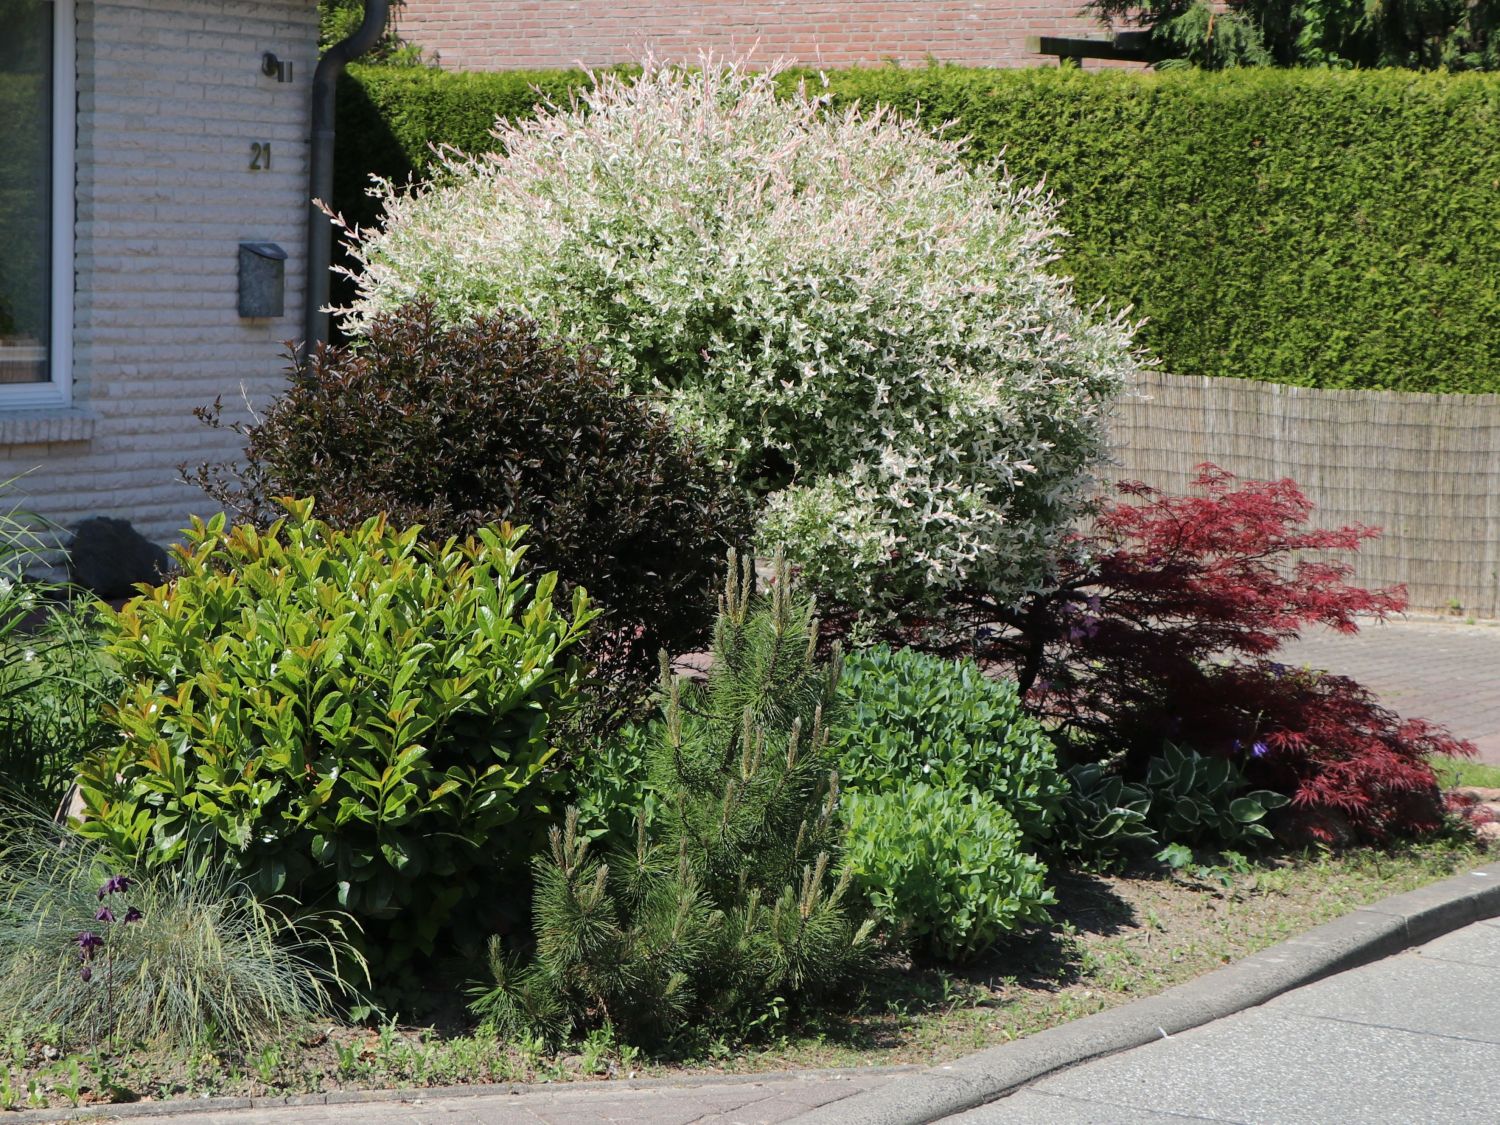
x,y
508,34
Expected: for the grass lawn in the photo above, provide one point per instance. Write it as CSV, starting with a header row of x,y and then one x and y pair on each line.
x,y
1116,938
1453,772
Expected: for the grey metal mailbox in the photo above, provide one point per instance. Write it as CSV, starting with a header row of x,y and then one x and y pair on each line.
x,y
262,279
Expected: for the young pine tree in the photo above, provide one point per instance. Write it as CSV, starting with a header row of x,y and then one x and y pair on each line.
x,y
726,902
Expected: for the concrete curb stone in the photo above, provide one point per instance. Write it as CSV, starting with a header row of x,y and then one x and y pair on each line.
x,y
1364,935
179,1106
131,1109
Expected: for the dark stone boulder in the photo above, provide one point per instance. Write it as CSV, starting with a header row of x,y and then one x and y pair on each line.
x,y
109,557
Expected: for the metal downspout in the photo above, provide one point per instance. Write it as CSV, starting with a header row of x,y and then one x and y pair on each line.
x,y
320,172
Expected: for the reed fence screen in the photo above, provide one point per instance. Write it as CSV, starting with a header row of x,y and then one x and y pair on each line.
x,y
1425,468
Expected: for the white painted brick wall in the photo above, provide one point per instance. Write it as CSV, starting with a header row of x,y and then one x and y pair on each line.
x,y
170,98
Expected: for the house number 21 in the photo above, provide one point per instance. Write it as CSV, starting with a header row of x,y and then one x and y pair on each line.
x,y
260,156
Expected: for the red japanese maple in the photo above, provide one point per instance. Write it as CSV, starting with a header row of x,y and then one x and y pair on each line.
x,y
1162,623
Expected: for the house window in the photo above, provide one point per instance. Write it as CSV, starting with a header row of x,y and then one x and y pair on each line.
x,y
36,203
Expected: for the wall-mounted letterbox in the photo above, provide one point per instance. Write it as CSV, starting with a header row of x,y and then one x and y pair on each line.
x,y
262,279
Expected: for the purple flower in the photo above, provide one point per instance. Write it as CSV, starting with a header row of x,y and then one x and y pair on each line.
x,y
115,884
133,915
1259,750
88,941
86,973
105,915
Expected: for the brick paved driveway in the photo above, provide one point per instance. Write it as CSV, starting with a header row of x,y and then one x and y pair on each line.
x,y
1430,669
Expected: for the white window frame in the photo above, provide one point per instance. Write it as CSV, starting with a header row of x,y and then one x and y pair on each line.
x,y
58,390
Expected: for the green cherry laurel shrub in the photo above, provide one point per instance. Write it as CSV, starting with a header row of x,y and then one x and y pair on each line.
x,y
727,901
353,718
861,321
906,716
458,427
947,867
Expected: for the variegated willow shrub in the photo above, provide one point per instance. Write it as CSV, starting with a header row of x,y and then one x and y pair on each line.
x,y
860,321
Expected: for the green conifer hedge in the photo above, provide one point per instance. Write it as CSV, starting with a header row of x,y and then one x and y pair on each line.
x,y
1320,228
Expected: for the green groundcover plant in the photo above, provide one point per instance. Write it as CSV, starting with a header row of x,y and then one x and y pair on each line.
x,y
861,322
907,716
53,683
945,866
354,719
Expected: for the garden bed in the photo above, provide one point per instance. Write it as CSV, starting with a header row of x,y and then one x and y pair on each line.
x,y
1117,938
394,738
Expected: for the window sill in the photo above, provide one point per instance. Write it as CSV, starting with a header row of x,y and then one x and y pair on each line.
x,y
46,426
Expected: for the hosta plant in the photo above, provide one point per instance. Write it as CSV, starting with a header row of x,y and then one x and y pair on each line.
x,y
1196,799
1104,819
353,718
53,683
861,321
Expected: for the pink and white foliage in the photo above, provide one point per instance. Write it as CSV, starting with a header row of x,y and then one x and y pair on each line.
x,y
857,318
